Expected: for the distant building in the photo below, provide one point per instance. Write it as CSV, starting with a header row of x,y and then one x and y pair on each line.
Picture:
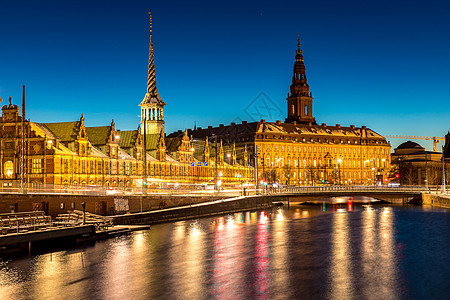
x,y
416,166
299,151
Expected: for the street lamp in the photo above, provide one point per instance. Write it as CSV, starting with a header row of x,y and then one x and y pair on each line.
x,y
365,162
339,167
215,165
373,169
255,155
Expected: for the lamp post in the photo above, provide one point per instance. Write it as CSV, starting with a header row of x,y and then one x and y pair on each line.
x,y
24,159
374,171
365,162
144,161
443,170
215,165
304,175
426,169
339,167
255,155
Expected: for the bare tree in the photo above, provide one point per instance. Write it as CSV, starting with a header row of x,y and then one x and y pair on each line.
x,y
271,176
408,175
287,171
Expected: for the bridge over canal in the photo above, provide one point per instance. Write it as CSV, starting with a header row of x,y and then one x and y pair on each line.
x,y
397,195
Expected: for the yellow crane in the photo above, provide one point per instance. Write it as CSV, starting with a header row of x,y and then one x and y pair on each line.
x,y
435,139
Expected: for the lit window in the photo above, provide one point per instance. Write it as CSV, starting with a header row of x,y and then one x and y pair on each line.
x,y
9,169
36,166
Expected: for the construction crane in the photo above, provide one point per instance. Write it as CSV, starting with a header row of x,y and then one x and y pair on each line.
x,y
435,139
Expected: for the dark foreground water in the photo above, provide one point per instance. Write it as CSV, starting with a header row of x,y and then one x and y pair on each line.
x,y
370,252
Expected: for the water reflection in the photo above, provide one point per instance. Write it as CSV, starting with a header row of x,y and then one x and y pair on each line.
x,y
341,279
280,256
261,261
387,253
346,252
186,270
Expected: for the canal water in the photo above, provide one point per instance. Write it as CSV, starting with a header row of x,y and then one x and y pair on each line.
x,y
301,252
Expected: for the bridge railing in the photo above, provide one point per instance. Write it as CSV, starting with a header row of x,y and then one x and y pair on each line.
x,y
344,188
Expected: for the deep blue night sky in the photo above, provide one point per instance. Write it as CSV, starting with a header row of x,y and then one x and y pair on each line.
x,y
383,64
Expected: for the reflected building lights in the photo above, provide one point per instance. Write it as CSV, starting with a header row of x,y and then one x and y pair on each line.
x,y
341,279
280,283
262,268
369,252
280,216
387,261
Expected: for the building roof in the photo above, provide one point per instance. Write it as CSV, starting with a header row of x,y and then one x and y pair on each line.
x,y
227,133
65,131
123,155
409,145
98,135
245,132
97,153
172,144
152,141
127,138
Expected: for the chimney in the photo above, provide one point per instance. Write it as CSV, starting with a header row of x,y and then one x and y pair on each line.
x,y
338,125
352,126
324,124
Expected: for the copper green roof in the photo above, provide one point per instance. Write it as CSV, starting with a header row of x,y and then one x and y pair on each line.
x,y
65,131
127,138
98,135
172,144
152,141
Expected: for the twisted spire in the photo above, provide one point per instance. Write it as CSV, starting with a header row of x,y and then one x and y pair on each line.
x,y
151,81
152,96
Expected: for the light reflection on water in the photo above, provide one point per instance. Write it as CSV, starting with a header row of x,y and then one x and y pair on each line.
x,y
344,252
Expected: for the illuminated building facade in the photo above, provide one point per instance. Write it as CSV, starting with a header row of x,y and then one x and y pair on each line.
x,y
301,152
69,153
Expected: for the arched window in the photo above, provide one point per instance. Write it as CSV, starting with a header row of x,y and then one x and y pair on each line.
x,y
9,169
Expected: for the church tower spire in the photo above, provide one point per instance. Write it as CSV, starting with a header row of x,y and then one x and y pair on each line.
x,y
299,101
152,107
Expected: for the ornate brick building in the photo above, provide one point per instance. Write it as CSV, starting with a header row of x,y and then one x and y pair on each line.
x,y
69,153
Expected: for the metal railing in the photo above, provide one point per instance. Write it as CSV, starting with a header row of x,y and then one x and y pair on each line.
x,y
201,190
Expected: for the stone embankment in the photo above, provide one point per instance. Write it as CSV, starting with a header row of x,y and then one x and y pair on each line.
x,y
193,211
436,200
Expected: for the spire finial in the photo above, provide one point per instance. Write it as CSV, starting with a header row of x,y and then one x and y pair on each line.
x,y
298,41
150,13
151,81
